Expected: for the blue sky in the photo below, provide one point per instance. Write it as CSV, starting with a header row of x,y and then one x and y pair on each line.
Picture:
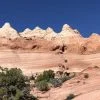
x,y
81,14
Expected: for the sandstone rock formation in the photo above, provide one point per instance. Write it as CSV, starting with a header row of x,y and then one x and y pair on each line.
x,y
37,50
8,32
25,33
68,31
68,40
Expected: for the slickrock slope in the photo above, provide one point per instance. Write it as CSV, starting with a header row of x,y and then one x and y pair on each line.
x,y
84,89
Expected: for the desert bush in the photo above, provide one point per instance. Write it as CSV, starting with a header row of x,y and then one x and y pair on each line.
x,y
67,76
31,97
56,82
47,78
25,95
3,91
13,77
70,97
32,77
12,85
40,78
19,94
86,75
47,75
42,85
64,78
12,90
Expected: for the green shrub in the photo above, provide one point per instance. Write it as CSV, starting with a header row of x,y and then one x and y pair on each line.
x,y
40,78
3,91
47,75
14,85
32,77
13,77
67,76
12,90
42,85
25,95
19,94
56,82
70,97
64,78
